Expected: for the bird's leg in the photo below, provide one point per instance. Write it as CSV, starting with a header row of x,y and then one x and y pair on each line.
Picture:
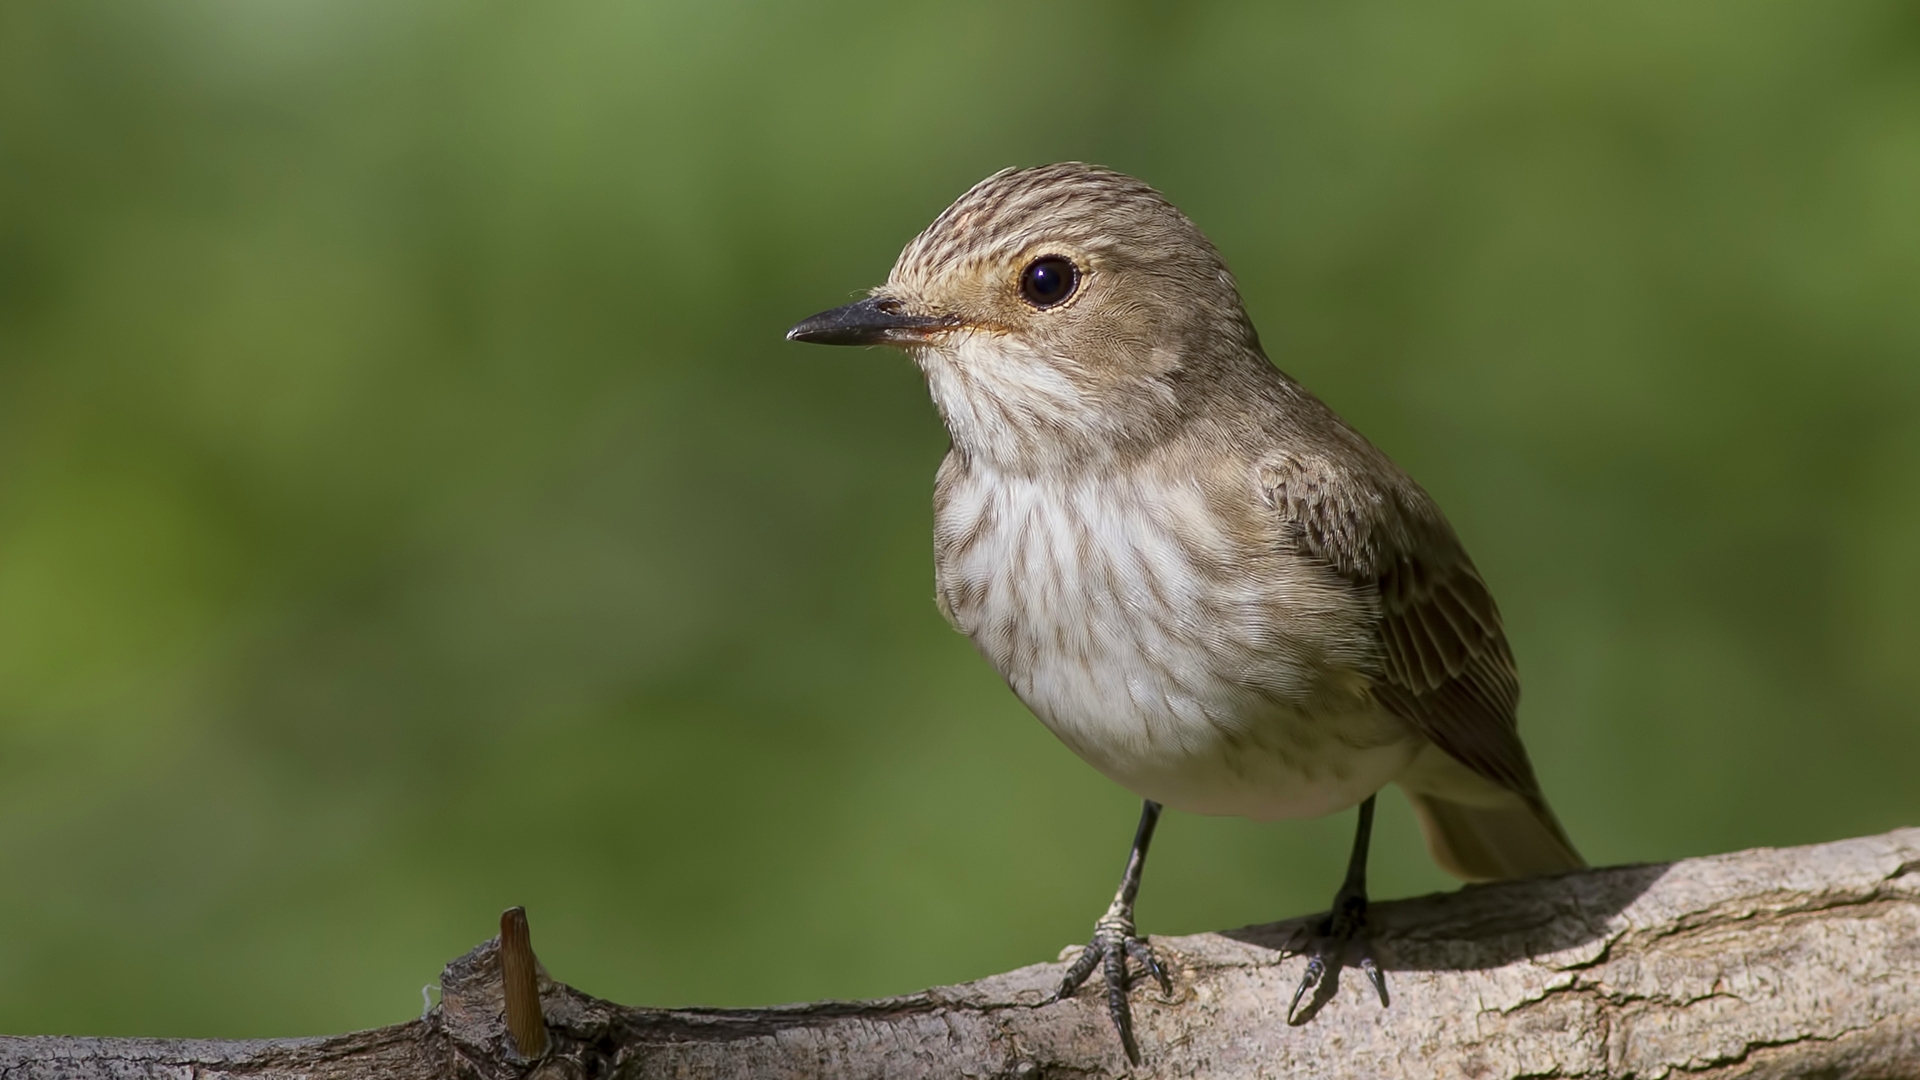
x,y
1114,939
1346,923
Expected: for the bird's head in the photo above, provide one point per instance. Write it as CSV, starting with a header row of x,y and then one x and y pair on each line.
x,y
1062,314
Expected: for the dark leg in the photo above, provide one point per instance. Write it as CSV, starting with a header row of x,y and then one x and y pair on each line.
x,y
1114,939
1346,923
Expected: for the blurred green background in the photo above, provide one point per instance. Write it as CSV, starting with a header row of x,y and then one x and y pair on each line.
x,y
409,508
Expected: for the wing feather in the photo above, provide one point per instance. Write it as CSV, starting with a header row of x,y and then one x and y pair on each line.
x,y
1445,666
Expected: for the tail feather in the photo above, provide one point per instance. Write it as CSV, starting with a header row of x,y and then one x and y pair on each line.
x,y
1481,843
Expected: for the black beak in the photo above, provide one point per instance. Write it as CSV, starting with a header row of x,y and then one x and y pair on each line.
x,y
877,320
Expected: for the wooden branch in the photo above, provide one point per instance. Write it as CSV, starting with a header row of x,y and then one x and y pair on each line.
x,y
1766,963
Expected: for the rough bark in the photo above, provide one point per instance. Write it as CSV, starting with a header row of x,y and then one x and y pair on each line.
x,y
1767,963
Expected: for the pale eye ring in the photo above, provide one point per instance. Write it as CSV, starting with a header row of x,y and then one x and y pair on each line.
x,y
1048,281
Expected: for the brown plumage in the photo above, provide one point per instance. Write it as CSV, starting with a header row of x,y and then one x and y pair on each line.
x,y
1194,572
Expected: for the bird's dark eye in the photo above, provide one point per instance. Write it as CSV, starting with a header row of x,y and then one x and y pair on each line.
x,y
1048,280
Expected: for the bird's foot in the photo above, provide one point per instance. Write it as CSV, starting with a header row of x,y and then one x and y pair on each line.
x,y
1344,928
1114,940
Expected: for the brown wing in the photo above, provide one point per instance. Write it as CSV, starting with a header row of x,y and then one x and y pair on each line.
x,y
1446,668
1449,671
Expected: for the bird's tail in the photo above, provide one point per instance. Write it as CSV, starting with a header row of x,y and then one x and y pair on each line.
x,y
1481,843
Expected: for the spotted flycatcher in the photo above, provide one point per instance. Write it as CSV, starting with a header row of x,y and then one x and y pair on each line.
x,y
1195,574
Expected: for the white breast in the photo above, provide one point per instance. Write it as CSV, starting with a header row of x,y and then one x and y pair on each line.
x,y
1197,690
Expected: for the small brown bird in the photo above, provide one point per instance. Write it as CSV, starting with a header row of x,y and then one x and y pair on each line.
x,y
1195,574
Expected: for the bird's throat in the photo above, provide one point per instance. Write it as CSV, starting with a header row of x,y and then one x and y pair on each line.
x,y
1026,413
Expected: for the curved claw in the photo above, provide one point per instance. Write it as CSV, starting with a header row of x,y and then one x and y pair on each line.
x,y
1082,968
1118,1010
1377,977
1316,970
1143,953
1109,951
1344,928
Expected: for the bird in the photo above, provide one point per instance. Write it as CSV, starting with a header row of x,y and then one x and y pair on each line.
x,y
1201,579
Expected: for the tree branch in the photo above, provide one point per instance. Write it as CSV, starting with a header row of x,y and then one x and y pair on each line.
x,y
1766,963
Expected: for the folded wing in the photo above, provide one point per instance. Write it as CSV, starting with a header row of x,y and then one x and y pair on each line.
x,y
1445,667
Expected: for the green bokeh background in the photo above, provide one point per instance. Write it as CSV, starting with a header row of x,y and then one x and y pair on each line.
x,y
409,508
